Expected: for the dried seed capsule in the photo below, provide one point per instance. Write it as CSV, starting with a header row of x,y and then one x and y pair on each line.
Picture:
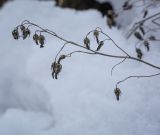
x,y
138,35
36,38
24,33
22,27
28,32
145,13
152,38
96,34
101,43
53,69
117,92
41,41
15,33
146,44
87,43
56,68
139,53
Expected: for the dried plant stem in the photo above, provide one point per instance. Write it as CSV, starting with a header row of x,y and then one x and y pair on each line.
x,y
94,52
140,76
56,66
137,24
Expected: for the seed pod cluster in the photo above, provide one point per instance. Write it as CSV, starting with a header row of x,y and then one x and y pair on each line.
x,y
139,53
25,32
39,40
56,69
86,42
117,93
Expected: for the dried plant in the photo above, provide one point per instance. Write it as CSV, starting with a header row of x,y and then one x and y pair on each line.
x,y
24,31
145,30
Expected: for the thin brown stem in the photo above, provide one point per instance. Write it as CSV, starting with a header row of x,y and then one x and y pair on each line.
x,y
140,76
117,65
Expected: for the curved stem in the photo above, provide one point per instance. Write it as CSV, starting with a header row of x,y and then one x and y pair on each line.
x,y
140,76
117,65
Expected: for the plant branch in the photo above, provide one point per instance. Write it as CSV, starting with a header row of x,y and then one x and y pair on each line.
x,y
140,76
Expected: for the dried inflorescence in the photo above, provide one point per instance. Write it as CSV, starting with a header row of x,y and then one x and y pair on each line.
x,y
117,93
24,32
139,53
146,44
96,33
56,67
87,43
39,40
15,33
142,30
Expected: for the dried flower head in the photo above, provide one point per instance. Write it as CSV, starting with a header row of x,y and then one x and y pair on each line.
x,y
15,33
36,38
146,44
22,27
26,33
41,41
87,42
139,53
117,92
96,34
138,35
56,69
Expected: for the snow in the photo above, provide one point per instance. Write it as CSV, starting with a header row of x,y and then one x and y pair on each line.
x,y
81,101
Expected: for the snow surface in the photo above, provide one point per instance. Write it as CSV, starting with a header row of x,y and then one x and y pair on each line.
x,y
81,101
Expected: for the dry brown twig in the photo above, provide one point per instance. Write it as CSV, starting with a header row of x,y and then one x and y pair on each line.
x,y
56,67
